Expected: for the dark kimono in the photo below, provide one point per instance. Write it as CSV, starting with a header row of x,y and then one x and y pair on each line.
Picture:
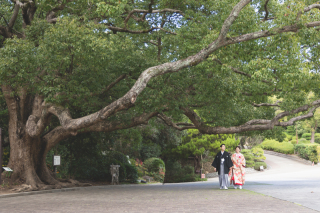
x,y
227,162
223,162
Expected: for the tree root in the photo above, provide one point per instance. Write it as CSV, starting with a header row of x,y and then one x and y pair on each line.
x,y
62,183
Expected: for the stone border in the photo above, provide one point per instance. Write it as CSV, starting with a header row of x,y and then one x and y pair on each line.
x,y
291,157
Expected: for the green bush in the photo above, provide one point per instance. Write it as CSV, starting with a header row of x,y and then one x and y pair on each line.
x,y
175,173
258,164
258,154
317,138
306,136
303,140
293,142
284,147
307,151
249,157
132,173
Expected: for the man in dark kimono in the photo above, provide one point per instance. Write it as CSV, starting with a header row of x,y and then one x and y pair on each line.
x,y
222,162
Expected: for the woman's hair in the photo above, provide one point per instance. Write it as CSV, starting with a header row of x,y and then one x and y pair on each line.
x,y
238,147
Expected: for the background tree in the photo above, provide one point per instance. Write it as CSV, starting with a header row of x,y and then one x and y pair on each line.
x,y
199,145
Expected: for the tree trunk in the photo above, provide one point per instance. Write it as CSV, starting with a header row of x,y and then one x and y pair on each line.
x,y
197,164
297,135
27,154
312,135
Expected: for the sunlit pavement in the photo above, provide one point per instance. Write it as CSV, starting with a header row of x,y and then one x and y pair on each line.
x,y
281,181
288,180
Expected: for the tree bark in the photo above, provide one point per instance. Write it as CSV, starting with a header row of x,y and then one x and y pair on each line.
x,y
312,135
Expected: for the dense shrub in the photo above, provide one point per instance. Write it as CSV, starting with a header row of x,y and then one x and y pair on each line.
x,y
317,138
303,140
307,151
284,147
258,154
249,158
175,173
154,164
132,173
306,136
258,164
155,168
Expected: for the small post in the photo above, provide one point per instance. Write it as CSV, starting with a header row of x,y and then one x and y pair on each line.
x,y
0,155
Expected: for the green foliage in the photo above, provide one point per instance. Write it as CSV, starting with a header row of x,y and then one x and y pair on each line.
x,y
175,173
258,164
303,140
253,156
291,130
249,158
284,147
154,164
308,151
150,150
306,136
132,173
258,154
196,144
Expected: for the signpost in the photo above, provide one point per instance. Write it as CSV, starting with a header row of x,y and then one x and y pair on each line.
x,y
56,161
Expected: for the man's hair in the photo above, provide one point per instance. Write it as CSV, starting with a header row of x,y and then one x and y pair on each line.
x,y
222,145
238,147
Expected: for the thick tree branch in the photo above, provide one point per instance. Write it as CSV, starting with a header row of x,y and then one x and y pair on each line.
x,y
51,15
129,98
14,16
310,7
61,133
257,124
266,10
169,122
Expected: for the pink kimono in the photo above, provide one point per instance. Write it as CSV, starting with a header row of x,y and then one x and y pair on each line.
x,y
238,172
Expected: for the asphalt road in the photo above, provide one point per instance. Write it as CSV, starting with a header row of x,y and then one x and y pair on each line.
x,y
288,180
284,186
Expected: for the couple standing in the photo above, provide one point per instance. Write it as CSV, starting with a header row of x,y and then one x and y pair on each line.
x,y
234,165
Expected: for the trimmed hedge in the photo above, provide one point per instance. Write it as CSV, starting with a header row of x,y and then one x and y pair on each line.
x,y
249,157
308,152
284,147
307,136
253,156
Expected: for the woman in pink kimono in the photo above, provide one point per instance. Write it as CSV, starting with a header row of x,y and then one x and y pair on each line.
x,y
237,172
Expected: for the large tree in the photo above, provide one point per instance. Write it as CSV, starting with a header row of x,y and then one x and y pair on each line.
x,y
74,66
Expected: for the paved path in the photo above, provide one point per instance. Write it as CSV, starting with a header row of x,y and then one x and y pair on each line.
x,y
288,180
185,197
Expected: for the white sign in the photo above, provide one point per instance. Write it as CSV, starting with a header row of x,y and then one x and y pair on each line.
x,y
7,169
56,160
